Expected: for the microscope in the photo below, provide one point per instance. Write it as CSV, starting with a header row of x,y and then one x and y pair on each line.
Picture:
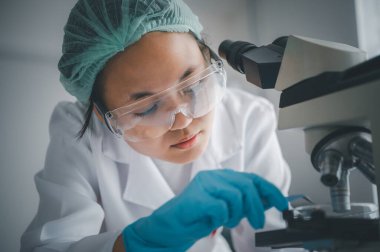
x,y
331,92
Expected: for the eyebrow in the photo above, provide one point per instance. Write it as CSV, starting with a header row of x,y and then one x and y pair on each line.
x,y
139,95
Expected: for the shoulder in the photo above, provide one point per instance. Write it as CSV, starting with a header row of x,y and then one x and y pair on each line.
x,y
65,124
240,114
69,160
67,119
240,105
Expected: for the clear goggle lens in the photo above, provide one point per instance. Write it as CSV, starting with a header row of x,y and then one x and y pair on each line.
x,y
153,116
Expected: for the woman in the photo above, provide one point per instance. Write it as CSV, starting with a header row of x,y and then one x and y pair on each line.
x,y
162,163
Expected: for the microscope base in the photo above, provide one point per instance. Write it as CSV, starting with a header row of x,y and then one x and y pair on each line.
x,y
321,233
312,242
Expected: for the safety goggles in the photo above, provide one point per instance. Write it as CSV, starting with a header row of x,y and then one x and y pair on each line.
x,y
153,116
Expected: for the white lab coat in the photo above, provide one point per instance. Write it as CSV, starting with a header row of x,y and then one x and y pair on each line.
x,y
91,189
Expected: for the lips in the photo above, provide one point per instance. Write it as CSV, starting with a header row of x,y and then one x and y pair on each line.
x,y
187,142
186,139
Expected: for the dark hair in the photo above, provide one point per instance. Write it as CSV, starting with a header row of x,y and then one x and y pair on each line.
x,y
96,97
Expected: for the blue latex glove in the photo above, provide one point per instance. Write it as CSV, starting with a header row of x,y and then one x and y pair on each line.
x,y
212,199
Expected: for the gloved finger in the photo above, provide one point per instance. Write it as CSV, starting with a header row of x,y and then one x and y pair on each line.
x,y
144,231
209,214
255,209
269,193
236,208
189,217
252,202
219,188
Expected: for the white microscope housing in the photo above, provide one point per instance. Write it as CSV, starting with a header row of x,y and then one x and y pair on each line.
x,y
331,92
340,120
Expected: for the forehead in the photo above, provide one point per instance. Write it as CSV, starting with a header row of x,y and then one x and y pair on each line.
x,y
157,61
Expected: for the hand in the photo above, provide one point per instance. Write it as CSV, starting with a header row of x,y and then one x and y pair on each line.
x,y
212,199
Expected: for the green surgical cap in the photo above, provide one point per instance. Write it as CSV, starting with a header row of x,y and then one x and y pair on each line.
x,y
98,29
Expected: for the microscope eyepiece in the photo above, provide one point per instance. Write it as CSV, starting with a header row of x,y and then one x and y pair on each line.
x,y
281,41
259,64
233,52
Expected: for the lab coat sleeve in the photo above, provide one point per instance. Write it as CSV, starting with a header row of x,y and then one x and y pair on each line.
x,y
263,156
69,216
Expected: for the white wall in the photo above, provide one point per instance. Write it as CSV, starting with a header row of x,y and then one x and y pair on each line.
x,y
30,41
368,19
226,19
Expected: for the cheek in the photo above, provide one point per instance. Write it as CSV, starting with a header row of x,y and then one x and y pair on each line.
x,y
160,147
206,121
210,119
153,148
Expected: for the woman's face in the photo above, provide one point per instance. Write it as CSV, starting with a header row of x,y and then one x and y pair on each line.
x,y
159,60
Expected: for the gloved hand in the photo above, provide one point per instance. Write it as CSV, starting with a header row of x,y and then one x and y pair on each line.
x,y
212,199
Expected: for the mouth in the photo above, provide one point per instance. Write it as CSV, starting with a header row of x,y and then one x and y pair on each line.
x,y
187,142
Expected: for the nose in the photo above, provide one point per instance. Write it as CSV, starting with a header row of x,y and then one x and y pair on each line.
x,y
180,121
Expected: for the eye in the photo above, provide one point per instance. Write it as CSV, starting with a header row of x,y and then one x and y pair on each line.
x,y
148,111
193,89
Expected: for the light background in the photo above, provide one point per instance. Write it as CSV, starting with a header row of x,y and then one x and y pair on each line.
x,y
30,39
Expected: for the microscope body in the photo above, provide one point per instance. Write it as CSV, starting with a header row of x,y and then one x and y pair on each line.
x,y
331,124
335,107
337,121
329,91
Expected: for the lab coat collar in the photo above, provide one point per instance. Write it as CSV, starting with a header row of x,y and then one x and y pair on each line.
x,y
145,184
